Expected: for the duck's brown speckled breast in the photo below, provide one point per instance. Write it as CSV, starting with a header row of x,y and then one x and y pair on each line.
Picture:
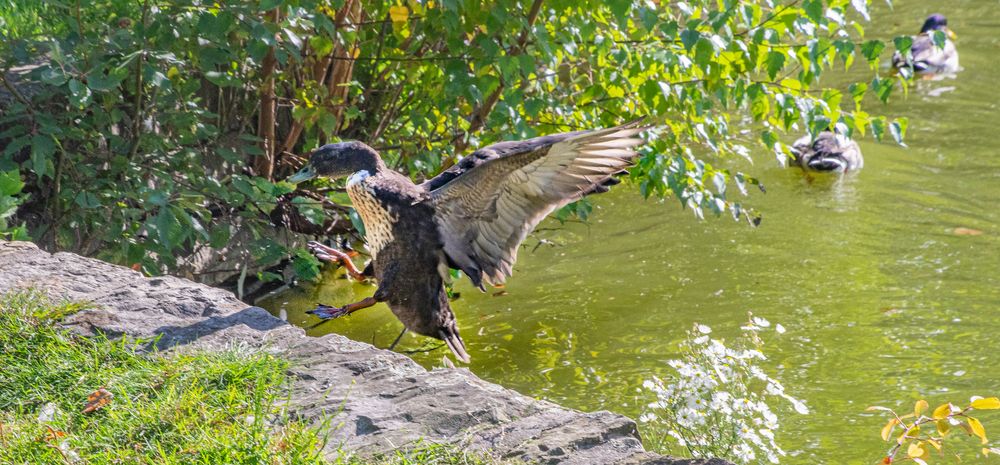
x,y
378,221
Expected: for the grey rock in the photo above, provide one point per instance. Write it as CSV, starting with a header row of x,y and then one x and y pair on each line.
x,y
375,400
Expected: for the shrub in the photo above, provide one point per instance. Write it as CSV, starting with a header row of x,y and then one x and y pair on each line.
x,y
156,129
716,402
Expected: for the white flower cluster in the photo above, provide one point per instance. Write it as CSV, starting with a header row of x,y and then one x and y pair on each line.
x,y
715,404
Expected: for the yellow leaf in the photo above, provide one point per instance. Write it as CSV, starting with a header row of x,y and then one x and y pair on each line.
x,y
912,432
937,445
977,429
942,411
887,429
916,449
991,403
399,13
943,427
919,407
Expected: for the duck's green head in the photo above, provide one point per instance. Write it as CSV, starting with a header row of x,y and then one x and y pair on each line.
x,y
338,160
937,22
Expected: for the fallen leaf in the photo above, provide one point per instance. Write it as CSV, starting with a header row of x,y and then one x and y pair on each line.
x,y
499,294
97,399
966,232
53,434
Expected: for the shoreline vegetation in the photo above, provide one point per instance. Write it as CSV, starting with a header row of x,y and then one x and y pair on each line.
x,y
67,399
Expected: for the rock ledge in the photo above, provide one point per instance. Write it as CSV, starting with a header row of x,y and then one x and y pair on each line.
x,y
381,400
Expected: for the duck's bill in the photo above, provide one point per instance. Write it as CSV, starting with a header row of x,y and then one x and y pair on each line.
x,y
304,174
951,34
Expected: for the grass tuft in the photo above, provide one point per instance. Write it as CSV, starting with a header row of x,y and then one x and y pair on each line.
x,y
208,408
204,408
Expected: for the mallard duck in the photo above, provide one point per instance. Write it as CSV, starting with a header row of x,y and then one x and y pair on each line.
x,y
472,217
827,152
926,57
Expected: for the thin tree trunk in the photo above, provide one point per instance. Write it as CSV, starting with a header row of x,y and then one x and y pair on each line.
x,y
264,164
343,63
340,75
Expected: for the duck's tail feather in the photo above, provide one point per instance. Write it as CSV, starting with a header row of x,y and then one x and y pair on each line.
x,y
450,336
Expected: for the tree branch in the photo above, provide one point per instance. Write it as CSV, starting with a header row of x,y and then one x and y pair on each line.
x,y
481,113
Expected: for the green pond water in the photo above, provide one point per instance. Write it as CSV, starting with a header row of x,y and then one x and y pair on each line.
x,y
883,301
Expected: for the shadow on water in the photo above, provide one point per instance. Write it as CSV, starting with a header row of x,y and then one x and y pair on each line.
x,y
885,296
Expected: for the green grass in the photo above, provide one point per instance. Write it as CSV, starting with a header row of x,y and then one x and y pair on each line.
x,y
205,408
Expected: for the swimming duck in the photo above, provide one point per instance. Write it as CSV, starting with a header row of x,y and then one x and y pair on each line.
x,y
472,217
827,152
926,57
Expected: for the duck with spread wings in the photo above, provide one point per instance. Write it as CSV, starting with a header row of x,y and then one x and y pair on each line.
x,y
472,217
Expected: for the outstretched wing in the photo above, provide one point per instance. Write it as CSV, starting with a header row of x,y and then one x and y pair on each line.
x,y
501,192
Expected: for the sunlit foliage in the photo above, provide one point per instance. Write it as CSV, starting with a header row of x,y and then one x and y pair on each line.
x,y
158,128
922,434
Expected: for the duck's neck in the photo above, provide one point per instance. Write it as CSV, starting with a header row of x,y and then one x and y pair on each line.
x,y
372,163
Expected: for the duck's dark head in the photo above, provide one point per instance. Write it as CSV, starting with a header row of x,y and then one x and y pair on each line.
x,y
936,22
339,160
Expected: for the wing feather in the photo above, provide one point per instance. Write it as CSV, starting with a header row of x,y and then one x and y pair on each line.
x,y
490,201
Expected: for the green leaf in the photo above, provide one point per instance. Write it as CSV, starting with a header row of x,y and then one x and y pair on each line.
x,y
87,200
814,10
79,94
219,236
903,44
320,44
168,228
898,130
883,88
310,209
305,265
356,221
872,49
939,38
42,150
858,90
775,62
54,76
878,127
689,38
10,182
98,81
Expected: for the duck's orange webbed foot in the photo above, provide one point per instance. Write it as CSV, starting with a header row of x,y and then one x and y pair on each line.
x,y
330,254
